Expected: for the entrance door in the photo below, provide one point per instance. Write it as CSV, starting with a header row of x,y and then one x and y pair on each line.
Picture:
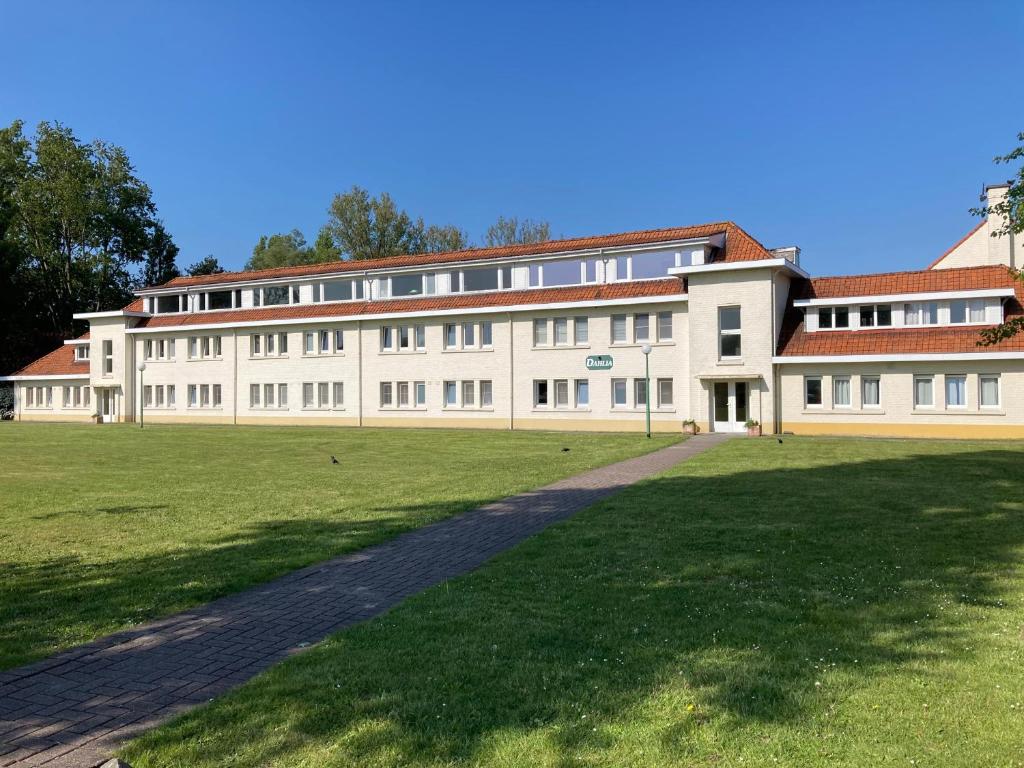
x,y
106,405
730,405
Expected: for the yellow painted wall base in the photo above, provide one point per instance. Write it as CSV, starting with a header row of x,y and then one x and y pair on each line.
x,y
67,418
962,431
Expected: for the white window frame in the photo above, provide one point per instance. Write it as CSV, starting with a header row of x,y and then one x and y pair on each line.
x,y
947,379
930,378
848,380
821,393
981,384
723,332
863,388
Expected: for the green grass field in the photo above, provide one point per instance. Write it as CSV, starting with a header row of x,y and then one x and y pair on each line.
x,y
817,603
103,528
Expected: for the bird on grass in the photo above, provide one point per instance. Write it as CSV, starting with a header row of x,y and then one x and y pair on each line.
x,y
334,460
566,450
780,441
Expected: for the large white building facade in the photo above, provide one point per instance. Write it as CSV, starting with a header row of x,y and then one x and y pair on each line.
x,y
554,335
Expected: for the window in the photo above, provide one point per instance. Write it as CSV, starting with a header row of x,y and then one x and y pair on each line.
x,y
451,394
834,317
486,394
641,328
309,342
338,290
387,338
619,393
581,330
323,394
385,394
618,329
325,342
540,332
206,346
841,397
535,275
339,340
875,315
561,393
561,330
204,395
255,344
254,395
640,392
219,299
451,333
622,267
482,279
486,334
170,396
921,313
406,285
170,349
108,357
403,394
193,347
192,400
956,391
430,284
296,296
870,392
30,397
270,343
159,397
282,395
82,352
468,394
421,392
967,311
274,295
339,394
812,391
147,349
729,332
147,396
647,265
582,393
268,395
421,337
468,335
565,272
664,326
216,395
167,304
924,396
988,395
307,395
665,393
540,393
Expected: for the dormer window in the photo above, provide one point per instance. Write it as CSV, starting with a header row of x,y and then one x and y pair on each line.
x,y
921,313
872,315
967,311
834,317
82,352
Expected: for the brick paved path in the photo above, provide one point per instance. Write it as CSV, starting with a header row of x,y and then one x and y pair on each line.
x,y
75,708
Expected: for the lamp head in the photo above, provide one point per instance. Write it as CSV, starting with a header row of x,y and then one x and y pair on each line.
x,y
646,349
141,366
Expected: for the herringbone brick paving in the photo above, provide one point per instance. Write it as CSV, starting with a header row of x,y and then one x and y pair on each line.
x,y
75,708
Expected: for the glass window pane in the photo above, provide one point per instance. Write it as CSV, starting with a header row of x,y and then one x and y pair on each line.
x,y
641,327
664,393
867,316
729,318
482,279
540,392
640,392
923,391
842,317
468,335
977,310
622,267
812,387
307,395
450,336
989,391
535,275
540,331
582,330
618,392
618,329
219,300
741,401
338,290
282,395
582,392
339,394
562,393
274,295
731,345
825,317
562,272
664,326
486,394
406,285
468,390
958,311
883,314
486,334
421,393
956,391
870,391
841,391
648,265
561,330
450,393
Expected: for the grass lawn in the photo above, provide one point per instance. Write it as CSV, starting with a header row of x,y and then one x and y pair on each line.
x,y
818,603
102,528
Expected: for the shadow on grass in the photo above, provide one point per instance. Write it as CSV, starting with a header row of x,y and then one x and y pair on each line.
x,y
750,587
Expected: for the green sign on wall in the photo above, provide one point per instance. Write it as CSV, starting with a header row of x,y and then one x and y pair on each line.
x,y
599,363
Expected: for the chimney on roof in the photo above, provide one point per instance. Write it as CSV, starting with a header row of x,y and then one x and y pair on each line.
x,y
789,253
1002,249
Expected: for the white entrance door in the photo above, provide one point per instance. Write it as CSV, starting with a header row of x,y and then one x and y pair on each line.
x,y
106,405
730,405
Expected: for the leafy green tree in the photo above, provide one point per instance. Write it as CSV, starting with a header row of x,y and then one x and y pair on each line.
x,y
290,249
207,266
325,248
77,224
512,231
363,227
160,259
1011,211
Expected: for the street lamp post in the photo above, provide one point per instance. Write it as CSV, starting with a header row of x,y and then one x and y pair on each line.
x,y
142,399
646,349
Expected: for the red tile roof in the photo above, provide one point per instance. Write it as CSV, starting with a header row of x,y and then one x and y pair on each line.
x,y
739,246
958,243
922,281
60,362
640,289
795,341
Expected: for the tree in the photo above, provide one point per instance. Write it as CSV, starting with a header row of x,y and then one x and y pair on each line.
x,y
207,266
512,231
1011,210
289,250
77,224
363,227
160,259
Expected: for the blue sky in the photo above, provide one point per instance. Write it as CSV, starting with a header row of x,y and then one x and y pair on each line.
x,y
861,132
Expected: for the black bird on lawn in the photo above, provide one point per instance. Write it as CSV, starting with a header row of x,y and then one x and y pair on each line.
x,y
566,450
334,460
780,441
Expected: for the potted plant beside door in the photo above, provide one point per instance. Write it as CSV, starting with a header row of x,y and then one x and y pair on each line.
x,y
753,428
689,427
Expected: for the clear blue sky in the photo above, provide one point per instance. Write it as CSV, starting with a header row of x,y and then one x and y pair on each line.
x,y
861,132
